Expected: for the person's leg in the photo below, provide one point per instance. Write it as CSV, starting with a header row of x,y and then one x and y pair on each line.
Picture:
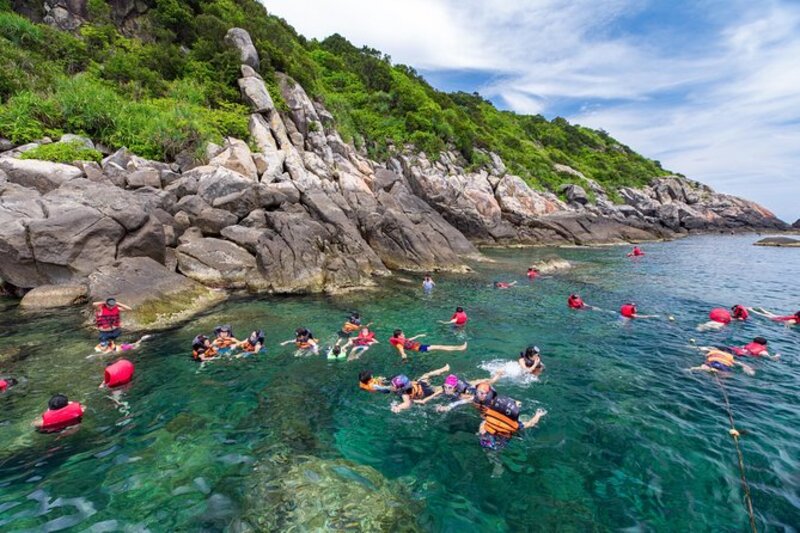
x,y
445,348
434,373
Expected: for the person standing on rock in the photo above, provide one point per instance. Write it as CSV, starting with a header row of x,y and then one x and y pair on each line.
x,y
107,319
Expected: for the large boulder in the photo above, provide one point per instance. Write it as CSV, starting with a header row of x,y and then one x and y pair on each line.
x,y
147,241
66,15
159,298
236,156
575,194
226,189
216,263
515,197
53,296
240,39
255,94
44,176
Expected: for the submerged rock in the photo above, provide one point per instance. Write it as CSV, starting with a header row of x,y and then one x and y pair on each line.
x,y
552,264
779,241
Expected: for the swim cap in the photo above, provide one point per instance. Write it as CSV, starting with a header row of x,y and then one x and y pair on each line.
x,y
451,380
400,381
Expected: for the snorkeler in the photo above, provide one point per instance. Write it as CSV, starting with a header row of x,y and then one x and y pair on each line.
x,y
254,342
61,413
500,415
719,317
789,320
636,252
224,338
401,344
203,349
117,374
720,361
503,284
756,348
305,342
361,343
458,319
416,391
630,311
530,361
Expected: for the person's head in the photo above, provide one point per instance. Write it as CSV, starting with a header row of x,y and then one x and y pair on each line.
x,y
223,331
484,392
364,332
530,269
397,333
355,317
364,376
496,283
573,296
111,302
336,350
531,352
450,384
459,309
301,332
10,382
760,340
797,315
58,401
536,270
256,337
400,382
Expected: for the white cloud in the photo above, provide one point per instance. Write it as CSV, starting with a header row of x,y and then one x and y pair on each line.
x,y
721,106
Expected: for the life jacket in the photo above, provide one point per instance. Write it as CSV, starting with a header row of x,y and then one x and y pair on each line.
x,y
62,418
740,312
203,351
575,303
720,315
107,317
3,385
118,374
755,349
787,318
628,311
364,340
405,343
351,327
461,318
223,342
503,285
418,390
501,416
637,252
718,356
370,386
304,342
248,347
532,274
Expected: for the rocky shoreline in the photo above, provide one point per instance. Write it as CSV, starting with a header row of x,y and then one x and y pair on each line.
x,y
299,210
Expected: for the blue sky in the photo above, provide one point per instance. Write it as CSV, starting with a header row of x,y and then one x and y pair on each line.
x,y
709,88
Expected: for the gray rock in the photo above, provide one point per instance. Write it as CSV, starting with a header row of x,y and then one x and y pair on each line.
x,y
191,234
255,94
147,241
245,237
248,72
384,180
796,224
43,176
168,177
54,296
192,205
216,263
225,189
515,197
575,194
144,178
184,186
779,241
70,138
5,145
236,156
256,219
240,39
211,221
273,195
66,15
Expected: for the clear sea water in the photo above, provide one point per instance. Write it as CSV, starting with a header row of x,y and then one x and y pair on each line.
x,y
631,442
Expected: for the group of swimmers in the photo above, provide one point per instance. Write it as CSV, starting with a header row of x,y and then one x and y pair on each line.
x,y
225,342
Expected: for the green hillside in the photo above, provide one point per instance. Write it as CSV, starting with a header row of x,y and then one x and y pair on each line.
x,y
168,83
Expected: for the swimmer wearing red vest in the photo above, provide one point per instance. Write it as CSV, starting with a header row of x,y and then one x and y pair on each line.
x,y
401,344
636,252
629,311
459,318
7,383
574,301
361,343
61,414
789,320
739,312
117,374
756,348
503,284
533,273
107,318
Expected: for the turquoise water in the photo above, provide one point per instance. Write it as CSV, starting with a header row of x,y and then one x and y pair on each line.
x,y
631,441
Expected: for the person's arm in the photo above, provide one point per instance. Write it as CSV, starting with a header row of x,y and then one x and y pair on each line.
x,y
403,406
645,316
124,307
512,283
415,337
434,373
38,423
747,368
535,420
401,350
496,376
284,343
453,405
452,321
431,397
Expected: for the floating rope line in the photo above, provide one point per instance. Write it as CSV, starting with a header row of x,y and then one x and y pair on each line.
x,y
734,433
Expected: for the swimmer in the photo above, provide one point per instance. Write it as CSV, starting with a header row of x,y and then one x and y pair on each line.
x,y
7,383
530,361
417,391
254,342
459,318
789,320
351,325
636,252
720,361
719,318
533,273
401,344
428,284
739,312
224,338
503,284
629,310
370,383
501,419
203,349
109,346
461,392
576,302
336,352
756,348
61,413
361,343
305,342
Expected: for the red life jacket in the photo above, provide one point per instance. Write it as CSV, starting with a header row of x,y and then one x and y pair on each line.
x,y
628,311
461,318
3,385
62,418
364,340
118,374
755,349
532,274
107,317
575,303
740,312
720,315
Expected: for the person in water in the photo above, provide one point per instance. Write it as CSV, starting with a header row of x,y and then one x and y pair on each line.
x,y
401,344
61,414
503,284
756,348
203,349
112,347
7,383
501,419
458,319
254,342
574,301
718,360
305,342
739,312
428,284
336,352
533,273
630,311
636,252
368,382
361,343
416,391
460,392
789,320
224,338
530,361
351,325
107,318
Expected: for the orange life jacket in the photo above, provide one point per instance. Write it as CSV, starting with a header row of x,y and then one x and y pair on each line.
x,y
206,352
224,342
718,356
349,327
370,386
499,424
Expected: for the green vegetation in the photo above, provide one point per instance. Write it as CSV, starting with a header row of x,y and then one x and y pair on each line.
x,y
66,152
172,87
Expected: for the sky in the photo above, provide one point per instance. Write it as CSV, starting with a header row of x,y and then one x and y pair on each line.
x,y
710,88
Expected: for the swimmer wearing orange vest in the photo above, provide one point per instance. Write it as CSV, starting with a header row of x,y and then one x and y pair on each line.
x,y
720,361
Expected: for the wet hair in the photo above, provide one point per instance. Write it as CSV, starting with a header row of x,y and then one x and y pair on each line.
x,y
199,341
459,309
397,333
797,314
530,351
257,336
12,381
573,296
302,331
58,401
226,328
760,340
355,315
336,350
364,376
111,302
496,283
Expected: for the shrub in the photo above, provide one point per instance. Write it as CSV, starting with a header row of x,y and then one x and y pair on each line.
x,y
65,152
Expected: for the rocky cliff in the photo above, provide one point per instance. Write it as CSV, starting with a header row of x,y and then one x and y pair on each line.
x,y
297,209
